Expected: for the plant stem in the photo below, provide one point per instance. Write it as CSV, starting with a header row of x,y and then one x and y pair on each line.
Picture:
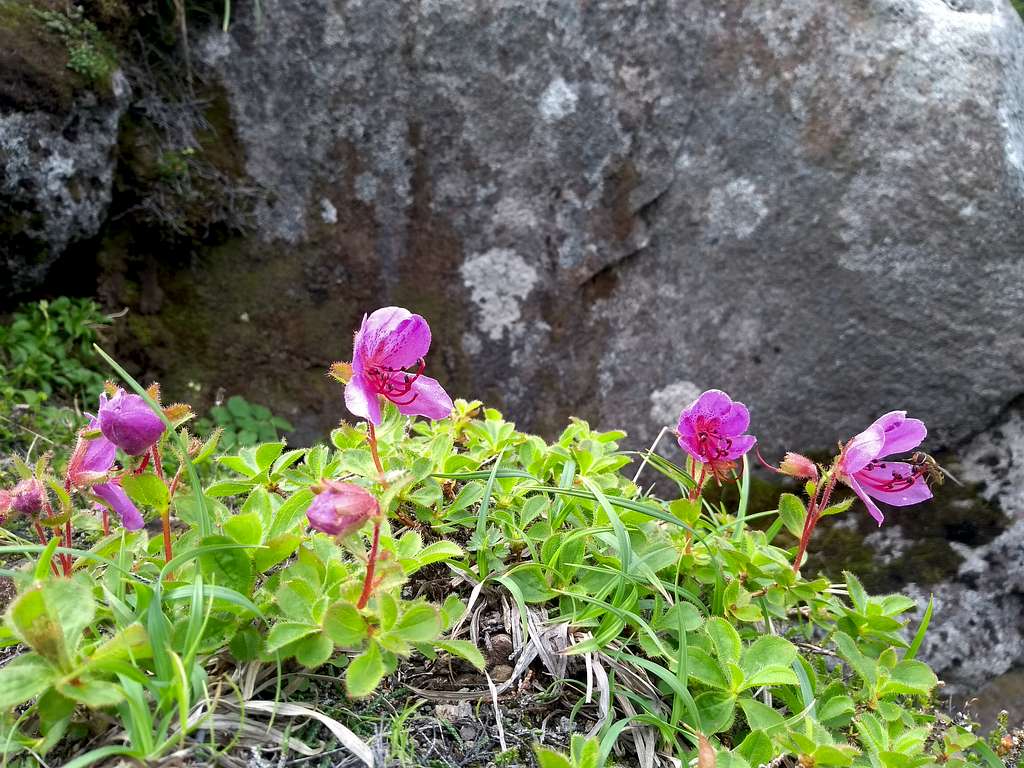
x,y
371,564
166,517
372,435
43,540
67,543
814,511
695,493
106,522
166,514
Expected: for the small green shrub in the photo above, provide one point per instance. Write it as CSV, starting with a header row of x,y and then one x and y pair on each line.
x,y
89,52
47,364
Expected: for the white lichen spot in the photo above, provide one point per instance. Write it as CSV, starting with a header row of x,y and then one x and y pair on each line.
x,y
558,100
366,187
498,281
736,208
668,402
471,343
328,212
514,214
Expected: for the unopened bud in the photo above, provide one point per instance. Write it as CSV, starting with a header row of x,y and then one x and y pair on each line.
x,y
795,465
340,509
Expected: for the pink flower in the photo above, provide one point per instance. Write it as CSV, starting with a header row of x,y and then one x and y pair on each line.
x,y
711,430
129,423
862,464
389,342
89,467
92,458
341,508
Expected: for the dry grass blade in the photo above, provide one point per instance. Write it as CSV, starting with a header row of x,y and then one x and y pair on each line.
x,y
497,713
604,696
287,709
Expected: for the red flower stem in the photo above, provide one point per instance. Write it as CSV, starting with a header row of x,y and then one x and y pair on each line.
x,y
166,517
142,464
814,511
371,564
158,465
44,540
106,522
174,483
67,543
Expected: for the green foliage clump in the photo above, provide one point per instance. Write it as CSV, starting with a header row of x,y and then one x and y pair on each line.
x,y
685,616
243,423
89,52
46,364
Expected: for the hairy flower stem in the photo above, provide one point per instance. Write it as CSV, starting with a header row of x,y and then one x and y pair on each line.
x,y
371,564
166,514
67,543
695,493
371,560
814,510
106,522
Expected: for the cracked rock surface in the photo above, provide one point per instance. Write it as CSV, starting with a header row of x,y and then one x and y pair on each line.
x,y
808,205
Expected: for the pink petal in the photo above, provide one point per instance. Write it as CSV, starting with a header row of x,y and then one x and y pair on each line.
x,y
873,509
736,421
689,444
904,436
712,404
862,449
740,445
431,400
113,494
394,338
875,482
361,399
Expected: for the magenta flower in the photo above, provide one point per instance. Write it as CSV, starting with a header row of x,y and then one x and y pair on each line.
x,y
711,430
89,467
130,424
863,467
340,509
391,341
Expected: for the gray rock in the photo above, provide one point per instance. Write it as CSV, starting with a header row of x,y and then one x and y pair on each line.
x,y
977,632
56,173
608,205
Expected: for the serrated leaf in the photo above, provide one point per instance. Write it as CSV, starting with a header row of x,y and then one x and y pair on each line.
x,y
146,490
285,632
419,623
313,651
365,672
766,651
345,626
24,678
725,638
910,678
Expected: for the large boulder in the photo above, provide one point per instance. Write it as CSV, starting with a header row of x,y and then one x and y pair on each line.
x,y
58,132
606,206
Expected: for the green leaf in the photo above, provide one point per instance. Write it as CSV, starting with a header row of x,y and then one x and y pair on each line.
x,y
866,668
365,671
757,748
345,626
701,667
228,488
858,595
24,678
147,490
420,623
290,513
793,513
772,675
285,632
766,651
244,529
464,650
548,758
725,639
238,406
433,553
313,651
717,710
760,717
296,599
275,551
910,677
93,693
228,567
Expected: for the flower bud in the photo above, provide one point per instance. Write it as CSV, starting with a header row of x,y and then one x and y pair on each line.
x,y
795,465
340,509
129,423
26,498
